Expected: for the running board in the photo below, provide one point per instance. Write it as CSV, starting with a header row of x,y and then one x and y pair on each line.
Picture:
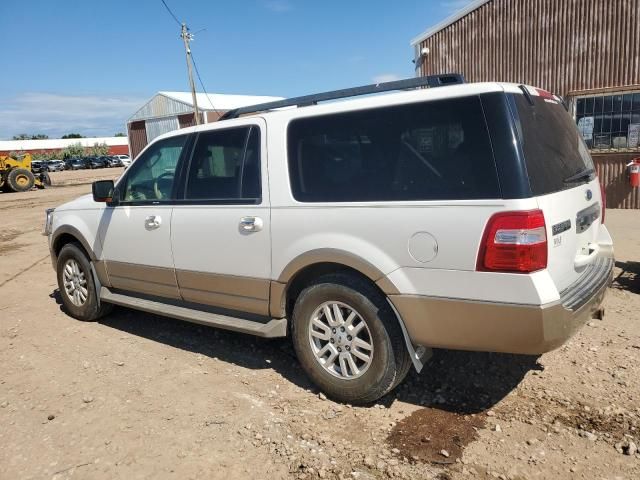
x,y
276,327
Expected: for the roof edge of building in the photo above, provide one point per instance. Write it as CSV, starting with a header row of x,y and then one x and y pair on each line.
x,y
448,21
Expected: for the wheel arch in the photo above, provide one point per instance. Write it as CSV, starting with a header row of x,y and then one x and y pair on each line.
x,y
66,234
308,267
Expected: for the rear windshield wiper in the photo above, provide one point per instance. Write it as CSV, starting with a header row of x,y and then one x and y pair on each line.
x,y
580,176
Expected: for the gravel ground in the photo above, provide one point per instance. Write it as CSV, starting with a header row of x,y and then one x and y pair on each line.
x,y
141,396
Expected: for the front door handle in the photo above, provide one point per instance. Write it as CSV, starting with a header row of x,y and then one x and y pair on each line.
x,y
152,222
251,224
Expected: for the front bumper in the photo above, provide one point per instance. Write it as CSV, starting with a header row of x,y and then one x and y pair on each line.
x,y
502,327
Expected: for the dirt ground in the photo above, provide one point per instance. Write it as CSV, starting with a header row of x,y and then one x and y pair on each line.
x,y
140,396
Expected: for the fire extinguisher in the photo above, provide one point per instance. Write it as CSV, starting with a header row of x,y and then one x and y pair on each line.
x,y
633,171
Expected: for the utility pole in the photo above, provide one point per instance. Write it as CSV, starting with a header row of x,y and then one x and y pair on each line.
x,y
186,38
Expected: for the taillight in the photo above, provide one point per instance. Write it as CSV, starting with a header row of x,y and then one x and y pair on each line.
x,y
603,195
514,242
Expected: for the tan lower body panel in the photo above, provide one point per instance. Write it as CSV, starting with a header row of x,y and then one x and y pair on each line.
x,y
470,325
101,272
158,281
244,294
277,300
226,291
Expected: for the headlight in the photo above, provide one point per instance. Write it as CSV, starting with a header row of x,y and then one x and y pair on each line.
x,y
48,222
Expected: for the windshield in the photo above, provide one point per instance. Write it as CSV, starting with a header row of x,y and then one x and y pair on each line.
x,y
553,148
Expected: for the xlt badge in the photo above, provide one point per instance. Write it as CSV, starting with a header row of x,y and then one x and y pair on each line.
x,y
561,227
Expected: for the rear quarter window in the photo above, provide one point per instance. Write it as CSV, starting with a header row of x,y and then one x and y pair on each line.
x,y
552,145
437,150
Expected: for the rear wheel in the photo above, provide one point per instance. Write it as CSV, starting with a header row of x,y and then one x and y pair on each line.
x,y
20,180
76,284
348,340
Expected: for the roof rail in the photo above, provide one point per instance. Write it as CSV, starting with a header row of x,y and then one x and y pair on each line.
x,y
430,81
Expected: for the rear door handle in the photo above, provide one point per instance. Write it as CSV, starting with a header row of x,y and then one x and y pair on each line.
x,y
251,224
152,222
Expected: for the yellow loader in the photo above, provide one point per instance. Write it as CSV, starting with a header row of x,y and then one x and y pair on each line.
x,y
16,174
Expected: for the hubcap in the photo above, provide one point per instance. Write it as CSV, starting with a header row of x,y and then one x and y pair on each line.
x,y
75,283
22,180
340,340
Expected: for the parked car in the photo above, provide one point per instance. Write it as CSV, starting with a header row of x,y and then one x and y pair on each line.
x,y
55,165
369,230
75,164
125,159
112,161
94,162
38,166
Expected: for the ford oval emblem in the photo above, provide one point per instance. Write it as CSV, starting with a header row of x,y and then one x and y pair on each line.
x,y
588,195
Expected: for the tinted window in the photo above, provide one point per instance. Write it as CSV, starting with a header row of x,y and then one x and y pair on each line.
x,y
553,147
151,176
226,165
426,151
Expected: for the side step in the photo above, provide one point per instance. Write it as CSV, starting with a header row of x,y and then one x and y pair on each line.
x,y
276,327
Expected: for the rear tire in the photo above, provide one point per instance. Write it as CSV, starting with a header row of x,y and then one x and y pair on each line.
x,y
354,381
20,180
77,287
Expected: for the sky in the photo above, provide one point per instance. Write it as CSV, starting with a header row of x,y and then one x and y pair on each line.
x,y
86,65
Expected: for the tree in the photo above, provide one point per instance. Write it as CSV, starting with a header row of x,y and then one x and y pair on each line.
x,y
72,135
120,134
99,149
26,136
74,150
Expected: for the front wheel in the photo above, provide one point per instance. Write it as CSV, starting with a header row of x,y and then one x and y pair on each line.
x,y
348,340
76,284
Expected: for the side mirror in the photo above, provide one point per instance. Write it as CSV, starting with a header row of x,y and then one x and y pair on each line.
x,y
103,191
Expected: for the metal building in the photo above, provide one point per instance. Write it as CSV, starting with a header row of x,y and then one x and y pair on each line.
x,y
587,51
167,111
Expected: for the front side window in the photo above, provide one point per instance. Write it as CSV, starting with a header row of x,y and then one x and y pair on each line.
x,y
437,150
226,166
151,177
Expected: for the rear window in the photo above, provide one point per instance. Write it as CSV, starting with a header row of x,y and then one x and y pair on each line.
x,y
553,147
423,151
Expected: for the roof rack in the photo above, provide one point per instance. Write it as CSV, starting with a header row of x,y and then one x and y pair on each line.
x,y
430,81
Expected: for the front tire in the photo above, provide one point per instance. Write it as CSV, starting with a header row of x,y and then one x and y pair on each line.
x,y
348,339
76,284
20,180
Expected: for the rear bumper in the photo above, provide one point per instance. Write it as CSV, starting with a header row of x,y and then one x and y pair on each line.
x,y
502,327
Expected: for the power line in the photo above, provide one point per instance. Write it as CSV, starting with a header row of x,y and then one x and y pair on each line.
x,y
195,65
170,12
187,37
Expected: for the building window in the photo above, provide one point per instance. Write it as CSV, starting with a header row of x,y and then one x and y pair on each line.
x,y
609,120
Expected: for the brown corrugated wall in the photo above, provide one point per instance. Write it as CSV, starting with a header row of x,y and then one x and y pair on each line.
x,y
612,170
137,137
558,45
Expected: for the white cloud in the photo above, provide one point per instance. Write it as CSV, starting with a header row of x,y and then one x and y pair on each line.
x,y
452,6
386,77
56,114
279,6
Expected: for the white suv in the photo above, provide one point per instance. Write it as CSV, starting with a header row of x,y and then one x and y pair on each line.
x,y
368,230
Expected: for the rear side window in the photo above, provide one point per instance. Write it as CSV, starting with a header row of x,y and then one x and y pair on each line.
x,y
226,166
553,147
426,151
